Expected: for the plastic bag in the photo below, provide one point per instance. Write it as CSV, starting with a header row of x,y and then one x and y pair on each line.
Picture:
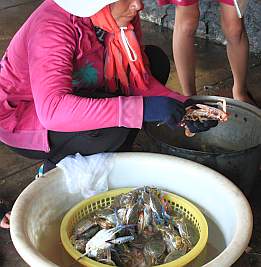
x,y
87,174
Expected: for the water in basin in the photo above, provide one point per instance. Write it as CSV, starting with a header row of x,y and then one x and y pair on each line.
x,y
51,246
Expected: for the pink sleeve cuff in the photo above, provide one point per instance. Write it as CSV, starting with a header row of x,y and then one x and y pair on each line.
x,y
131,111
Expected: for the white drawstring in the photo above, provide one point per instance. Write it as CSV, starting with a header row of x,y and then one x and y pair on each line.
x,y
130,51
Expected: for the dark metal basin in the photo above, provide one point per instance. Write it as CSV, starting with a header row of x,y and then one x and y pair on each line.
x,y
232,148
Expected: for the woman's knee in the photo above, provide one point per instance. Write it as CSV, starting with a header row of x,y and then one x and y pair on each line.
x,y
159,63
186,22
116,137
188,27
233,30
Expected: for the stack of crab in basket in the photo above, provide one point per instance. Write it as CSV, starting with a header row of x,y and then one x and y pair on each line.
x,y
139,228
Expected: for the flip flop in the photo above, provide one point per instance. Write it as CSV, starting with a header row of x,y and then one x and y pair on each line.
x,y
45,167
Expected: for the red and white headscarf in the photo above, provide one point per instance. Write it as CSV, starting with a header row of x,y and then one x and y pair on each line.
x,y
122,51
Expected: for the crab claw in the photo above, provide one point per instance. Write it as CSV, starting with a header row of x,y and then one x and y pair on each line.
x,y
121,240
223,104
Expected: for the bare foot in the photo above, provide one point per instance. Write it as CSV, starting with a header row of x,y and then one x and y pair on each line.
x,y
246,98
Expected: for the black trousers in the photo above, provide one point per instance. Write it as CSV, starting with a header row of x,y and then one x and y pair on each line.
x,y
100,140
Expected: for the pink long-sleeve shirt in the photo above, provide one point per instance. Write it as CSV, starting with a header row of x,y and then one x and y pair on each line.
x,y
53,54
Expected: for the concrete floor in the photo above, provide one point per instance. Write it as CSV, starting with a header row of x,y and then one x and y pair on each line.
x,y
213,70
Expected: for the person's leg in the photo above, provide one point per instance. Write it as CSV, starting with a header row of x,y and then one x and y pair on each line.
x,y
127,146
86,143
237,50
186,23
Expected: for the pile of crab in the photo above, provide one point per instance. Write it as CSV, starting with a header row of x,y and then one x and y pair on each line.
x,y
139,228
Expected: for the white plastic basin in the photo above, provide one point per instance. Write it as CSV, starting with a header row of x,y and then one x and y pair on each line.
x,y
38,210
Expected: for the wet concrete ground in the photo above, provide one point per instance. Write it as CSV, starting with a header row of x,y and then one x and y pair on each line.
x,y
213,70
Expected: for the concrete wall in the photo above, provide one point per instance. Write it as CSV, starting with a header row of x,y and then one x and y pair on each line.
x,y
209,26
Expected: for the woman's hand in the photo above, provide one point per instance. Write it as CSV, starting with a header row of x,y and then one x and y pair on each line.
x,y
163,109
197,126
167,110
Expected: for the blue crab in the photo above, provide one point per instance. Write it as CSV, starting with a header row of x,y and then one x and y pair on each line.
x,y
104,240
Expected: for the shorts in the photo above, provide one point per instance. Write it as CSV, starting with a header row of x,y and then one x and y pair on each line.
x,y
189,2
